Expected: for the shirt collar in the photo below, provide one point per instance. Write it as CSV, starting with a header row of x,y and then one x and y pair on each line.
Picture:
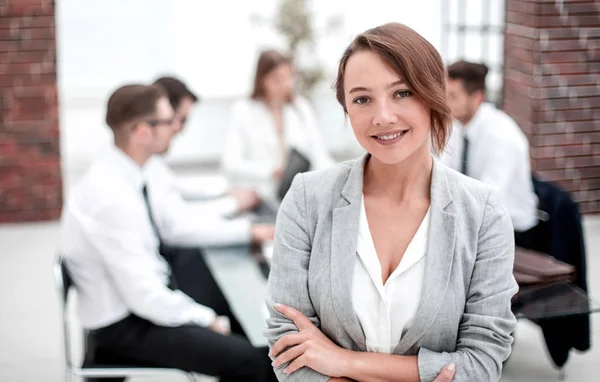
x,y
131,171
472,128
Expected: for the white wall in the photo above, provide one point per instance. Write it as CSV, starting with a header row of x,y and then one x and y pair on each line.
x,y
213,45
101,45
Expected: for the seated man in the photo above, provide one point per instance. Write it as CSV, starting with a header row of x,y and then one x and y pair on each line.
x,y
182,99
487,144
143,299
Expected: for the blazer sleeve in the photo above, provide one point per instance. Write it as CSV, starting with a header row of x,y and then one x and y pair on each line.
x,y
288,279
485,332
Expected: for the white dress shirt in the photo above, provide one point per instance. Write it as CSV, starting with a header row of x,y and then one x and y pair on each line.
x,y
385,312
252,150
112,251
162,175
499,156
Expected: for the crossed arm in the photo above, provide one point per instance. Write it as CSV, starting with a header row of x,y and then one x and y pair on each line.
x,y
311,348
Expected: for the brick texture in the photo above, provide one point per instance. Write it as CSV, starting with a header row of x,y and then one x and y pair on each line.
x,y
552,89
30,176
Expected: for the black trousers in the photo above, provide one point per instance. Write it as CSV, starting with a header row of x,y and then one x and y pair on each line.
x,y
135,341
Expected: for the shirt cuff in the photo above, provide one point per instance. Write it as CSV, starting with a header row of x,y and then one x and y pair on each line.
x,y
202,315
241,230
228,206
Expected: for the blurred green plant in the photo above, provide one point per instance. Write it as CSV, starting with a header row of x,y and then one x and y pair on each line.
x,y
294,21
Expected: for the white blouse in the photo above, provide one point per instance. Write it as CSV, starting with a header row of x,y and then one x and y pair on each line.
x,y
252,150
386,311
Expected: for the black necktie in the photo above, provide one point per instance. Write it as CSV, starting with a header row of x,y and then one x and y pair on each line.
x,y
149,208
162,251
465,156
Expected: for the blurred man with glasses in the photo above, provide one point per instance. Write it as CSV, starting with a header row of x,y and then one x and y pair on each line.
x,y
145,294
182,100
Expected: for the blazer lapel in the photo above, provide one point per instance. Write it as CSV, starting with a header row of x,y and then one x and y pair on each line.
x,y
344,234
438,260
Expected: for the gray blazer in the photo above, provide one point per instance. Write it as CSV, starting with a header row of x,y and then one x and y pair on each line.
x,y
464,316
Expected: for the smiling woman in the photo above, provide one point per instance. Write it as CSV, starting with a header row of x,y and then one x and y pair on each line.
x,y
405,75
391,267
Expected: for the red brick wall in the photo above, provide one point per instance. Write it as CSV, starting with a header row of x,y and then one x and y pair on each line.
x,y
30,176
552,89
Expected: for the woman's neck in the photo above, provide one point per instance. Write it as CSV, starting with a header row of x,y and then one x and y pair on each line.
x,y
273,104
404,181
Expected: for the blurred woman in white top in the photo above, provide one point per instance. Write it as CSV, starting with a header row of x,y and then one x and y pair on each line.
x,y
266,126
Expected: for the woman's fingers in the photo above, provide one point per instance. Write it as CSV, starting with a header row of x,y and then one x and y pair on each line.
x,y
297,364
447,374
289,355
286,341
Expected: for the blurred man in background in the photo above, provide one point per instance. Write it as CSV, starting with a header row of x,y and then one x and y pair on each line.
x,y
144,297
486,144
182,99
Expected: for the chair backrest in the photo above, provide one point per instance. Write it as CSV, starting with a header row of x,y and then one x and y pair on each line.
x,y
63,282
62,278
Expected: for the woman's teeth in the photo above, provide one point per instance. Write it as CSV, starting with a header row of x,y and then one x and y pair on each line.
x,y
389,137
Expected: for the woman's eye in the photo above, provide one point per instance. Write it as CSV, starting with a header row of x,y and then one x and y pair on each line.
x,y
403,93
361,100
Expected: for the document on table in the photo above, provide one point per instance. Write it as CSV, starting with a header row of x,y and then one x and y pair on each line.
x,y
267,251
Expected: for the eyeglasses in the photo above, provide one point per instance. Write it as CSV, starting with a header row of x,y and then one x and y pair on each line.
x,y
158,122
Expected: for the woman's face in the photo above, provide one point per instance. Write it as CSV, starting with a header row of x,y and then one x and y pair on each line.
x,y
388,120
279,83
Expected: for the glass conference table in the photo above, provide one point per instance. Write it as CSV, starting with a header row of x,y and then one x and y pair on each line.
x,y
242,273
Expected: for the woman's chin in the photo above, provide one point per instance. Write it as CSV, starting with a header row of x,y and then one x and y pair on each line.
x,y
389,157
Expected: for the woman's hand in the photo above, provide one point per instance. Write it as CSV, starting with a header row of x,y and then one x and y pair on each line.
x,y
245,199
277,173
310,348
260,233
447,374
